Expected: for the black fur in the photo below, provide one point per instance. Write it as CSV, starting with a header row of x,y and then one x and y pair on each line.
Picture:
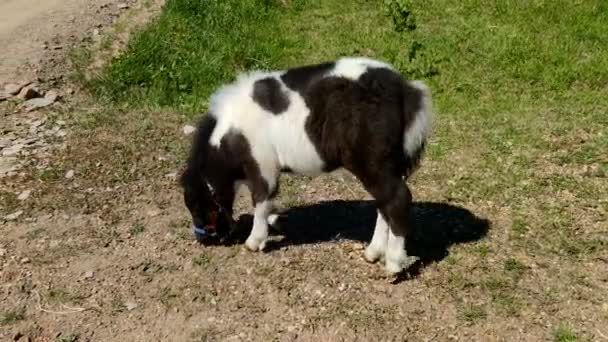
x,y
300,78
268,94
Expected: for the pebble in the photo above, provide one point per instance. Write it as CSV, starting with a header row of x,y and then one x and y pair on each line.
x,y
12,150
38,123
188,129
130,306
172,176
88,275
24,195
69,174
25,260
39,102
12,88
28,92
2,252
51,95
123,6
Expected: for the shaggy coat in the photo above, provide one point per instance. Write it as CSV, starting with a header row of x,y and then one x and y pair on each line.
x,y
355,113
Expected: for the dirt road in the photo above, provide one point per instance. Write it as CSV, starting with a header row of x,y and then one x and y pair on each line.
x,y
35,35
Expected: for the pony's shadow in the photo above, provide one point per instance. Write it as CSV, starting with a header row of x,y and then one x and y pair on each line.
x,y
437,226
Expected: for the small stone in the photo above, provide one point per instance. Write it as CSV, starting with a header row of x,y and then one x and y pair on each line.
x,y
130,305
51,95
2,252
96,32
153,212
25,260
36,103
12,150
123,6
188,129
38,123
28,93
342,287
12,88
69,174
24,195
88,275
172,176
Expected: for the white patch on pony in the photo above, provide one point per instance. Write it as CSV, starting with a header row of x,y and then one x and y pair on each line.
x,y
396,257
419,130
272,219
353,68
283,141
259,234
292,145
377,246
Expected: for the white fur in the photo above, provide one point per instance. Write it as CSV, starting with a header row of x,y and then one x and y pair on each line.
x,y
419,130
377,246
259,234
396,257
353,68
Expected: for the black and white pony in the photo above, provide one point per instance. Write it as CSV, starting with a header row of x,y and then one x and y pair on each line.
x,y
355,113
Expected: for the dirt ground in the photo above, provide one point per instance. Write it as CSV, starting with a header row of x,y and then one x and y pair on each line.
x,y
96,243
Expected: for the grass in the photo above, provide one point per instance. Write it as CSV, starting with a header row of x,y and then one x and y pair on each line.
x,y
64,296
472,313
519,137
565,334
10,317
137,229
201,260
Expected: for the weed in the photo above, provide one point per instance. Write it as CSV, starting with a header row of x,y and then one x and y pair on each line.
x,y
136,229
35,233
68,338
519,228
10,317
201,260
64,296
400,12
483,250
514,267
564,334
472,313
8,201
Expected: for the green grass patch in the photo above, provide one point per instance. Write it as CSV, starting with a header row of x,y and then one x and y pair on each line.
x,y
180,58
564,334
201,260
472,313
136,229
10,317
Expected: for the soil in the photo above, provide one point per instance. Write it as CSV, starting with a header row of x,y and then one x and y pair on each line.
x,y
96,242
